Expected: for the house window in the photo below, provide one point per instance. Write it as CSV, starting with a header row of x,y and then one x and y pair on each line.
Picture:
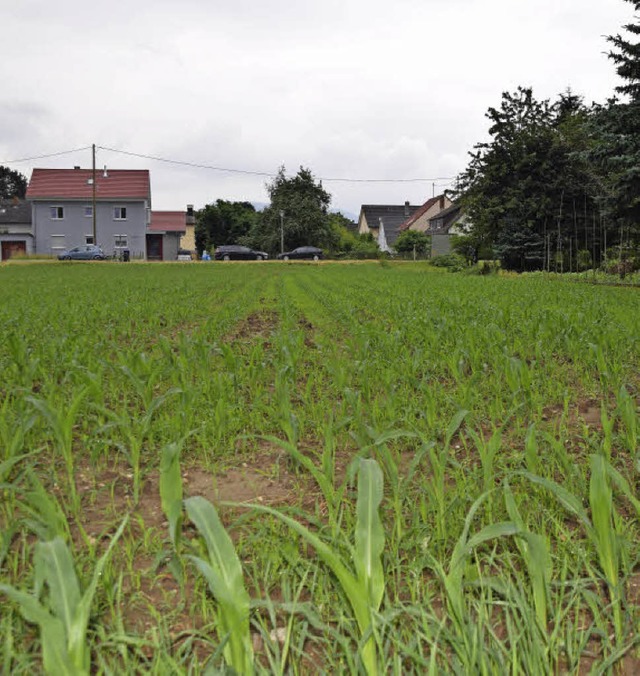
x,y
120,213
88,212
120,241
56,213
88,239
57,243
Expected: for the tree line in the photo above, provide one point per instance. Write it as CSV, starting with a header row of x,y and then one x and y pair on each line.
x,y
557,186
298,215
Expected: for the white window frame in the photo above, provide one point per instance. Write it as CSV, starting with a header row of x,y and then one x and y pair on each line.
x,y
119,213
88,239
88,211
58,243
121,241
58,214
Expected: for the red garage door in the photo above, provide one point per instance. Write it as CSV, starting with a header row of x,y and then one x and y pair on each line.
x,y
10,249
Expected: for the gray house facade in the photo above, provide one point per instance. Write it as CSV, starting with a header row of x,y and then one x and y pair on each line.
x,y
62,209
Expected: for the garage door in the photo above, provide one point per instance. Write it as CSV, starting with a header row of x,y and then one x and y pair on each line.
x,y
10,249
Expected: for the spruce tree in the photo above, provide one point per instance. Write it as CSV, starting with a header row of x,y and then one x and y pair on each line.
x,y
617,150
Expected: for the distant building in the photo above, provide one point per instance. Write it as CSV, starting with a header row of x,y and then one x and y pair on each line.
x,y
61,213
62,209
390,215
165,232
16,235
449,221
188,240
395,219
420,218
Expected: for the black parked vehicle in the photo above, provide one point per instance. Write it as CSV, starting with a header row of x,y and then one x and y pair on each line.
x,y
311,253
234,252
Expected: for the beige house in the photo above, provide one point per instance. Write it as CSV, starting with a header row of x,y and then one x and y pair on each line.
x,y
419,220
188,240
386,217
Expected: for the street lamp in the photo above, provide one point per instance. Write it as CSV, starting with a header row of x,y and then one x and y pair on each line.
x,y
281,231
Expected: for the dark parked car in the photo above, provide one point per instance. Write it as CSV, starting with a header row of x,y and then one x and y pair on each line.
x,y
234,252
86,252
309,252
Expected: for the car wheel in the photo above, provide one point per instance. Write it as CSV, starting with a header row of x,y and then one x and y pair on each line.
x,y
285,258
66,258
226,258
315,257
259,258
97,258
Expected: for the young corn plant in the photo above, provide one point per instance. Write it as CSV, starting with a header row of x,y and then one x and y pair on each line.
x,y
223,573
629,416
61,420
171,502
453,578
64,619
535,553
364,586
601,528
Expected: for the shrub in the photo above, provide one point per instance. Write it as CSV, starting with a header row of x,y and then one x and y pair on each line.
x,y
453,262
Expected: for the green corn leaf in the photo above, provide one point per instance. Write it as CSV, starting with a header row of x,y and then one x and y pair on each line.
x,y
78,638
355,593
622,485
601,500
535,553
320,477
369,536
491,532
455,424
567,499
55,657
604,534
223,573
222,554
364,591
57,568
171,489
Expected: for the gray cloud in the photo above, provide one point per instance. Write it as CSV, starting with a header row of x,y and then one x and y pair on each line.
x,y
347,87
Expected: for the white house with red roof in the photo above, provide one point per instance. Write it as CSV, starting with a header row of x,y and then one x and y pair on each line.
x,y
62,209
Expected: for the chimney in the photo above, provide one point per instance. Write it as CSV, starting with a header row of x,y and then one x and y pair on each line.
x,y
104,172
76,167
191,219
406,209
441,202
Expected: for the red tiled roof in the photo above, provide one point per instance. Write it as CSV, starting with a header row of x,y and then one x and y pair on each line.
x,y
421,211
75,184
168,221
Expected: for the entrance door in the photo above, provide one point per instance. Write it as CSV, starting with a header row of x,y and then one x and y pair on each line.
x,y
154,247
10,249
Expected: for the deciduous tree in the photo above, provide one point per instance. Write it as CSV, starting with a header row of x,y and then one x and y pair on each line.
x,y
297,214
12,183
223,222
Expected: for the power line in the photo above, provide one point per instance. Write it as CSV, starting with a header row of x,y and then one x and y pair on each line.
x,y
271,174
40,157
188,164
246,172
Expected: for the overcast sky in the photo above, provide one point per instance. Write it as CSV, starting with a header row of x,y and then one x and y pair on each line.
x,y
359,89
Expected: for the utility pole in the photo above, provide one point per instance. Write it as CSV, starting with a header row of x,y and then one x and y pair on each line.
x,y
93,192
281,231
